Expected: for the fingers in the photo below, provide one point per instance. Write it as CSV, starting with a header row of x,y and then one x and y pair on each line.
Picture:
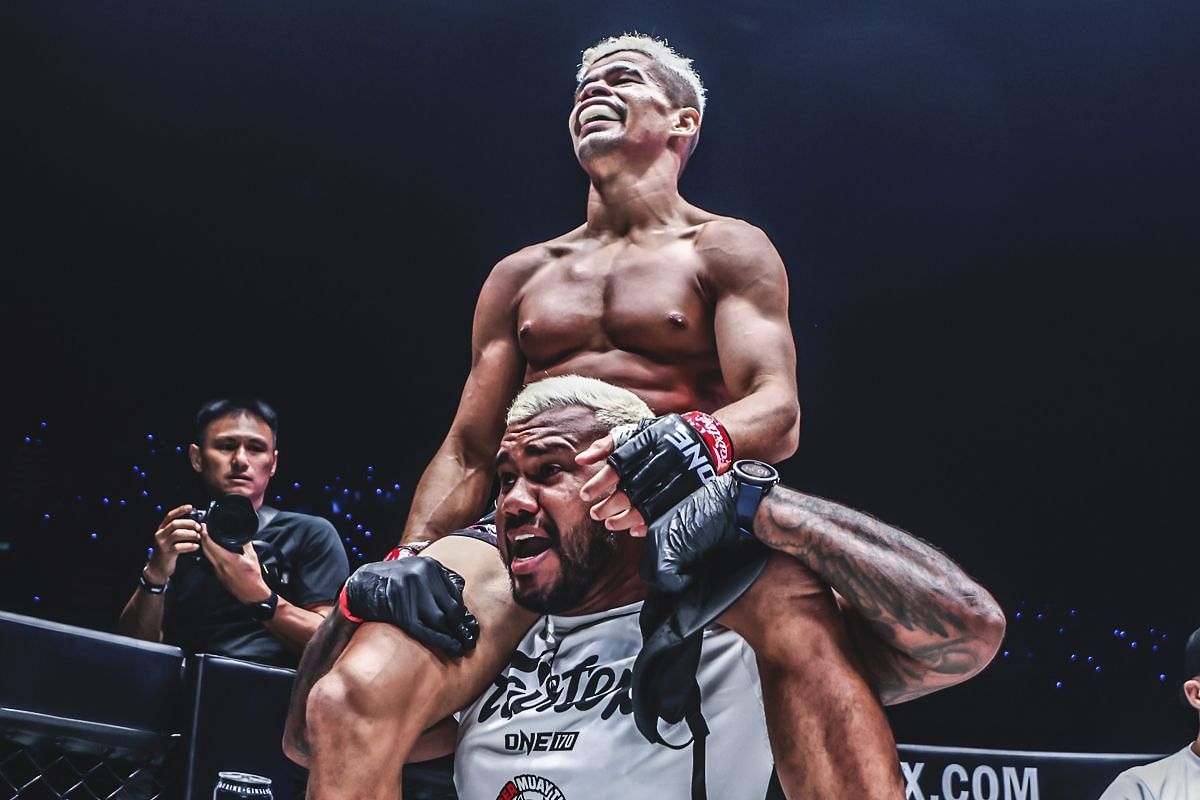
x,y
600,485
596,452
174,514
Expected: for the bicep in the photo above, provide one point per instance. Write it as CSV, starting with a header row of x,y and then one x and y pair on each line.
x,y
497,368
754,336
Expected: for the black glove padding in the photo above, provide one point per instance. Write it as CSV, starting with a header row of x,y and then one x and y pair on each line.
x,y
704,522
662,463
419,596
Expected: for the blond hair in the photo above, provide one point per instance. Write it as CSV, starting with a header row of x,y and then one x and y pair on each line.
x,y
684,85
612,405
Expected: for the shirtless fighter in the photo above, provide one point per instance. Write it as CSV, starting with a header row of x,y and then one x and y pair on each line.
x,y
686,308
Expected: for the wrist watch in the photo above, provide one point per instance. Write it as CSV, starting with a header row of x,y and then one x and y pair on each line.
x,y
264,610
754,480
152,588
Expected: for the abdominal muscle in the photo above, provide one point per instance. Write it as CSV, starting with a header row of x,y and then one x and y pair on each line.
x,y
666,388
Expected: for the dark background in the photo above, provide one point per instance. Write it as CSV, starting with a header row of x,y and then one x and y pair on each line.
x,y
988,212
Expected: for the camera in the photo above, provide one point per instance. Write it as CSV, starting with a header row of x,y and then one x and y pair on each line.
x,y
231,521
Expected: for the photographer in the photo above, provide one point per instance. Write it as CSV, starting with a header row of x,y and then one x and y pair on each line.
x,y
238,578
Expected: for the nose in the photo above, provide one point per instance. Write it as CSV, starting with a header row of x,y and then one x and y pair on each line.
x,y
595,88
520,499
239,458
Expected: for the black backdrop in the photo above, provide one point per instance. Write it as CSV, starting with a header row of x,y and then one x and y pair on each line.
x,y
988,212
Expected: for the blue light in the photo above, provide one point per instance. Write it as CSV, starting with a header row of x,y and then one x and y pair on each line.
x,y
1097,668
46,517
149,437
1040,616
367,534
396,487
1133,645
379,491
43,424
296,485
145,493
1161,677
333,504
370,469
1058,684
37,599
95,535
1017,615
345,492
28,440
1006,654
1074,656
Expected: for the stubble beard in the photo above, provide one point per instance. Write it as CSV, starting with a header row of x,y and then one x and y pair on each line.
x,y
584,555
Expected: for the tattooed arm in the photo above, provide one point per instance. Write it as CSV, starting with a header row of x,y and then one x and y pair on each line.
x,y
918,622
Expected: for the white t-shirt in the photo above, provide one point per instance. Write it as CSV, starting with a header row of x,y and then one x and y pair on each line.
x,y
557,724
1176,777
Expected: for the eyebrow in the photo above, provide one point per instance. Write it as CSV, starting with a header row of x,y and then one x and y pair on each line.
x,y
534,449
611,69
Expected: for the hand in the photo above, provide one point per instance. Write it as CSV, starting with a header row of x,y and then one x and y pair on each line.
x,y
173,537
661,461
703,522
240,573
419,596
614,508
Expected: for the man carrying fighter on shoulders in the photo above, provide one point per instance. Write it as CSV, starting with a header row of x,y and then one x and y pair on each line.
x,y
911,610
686,308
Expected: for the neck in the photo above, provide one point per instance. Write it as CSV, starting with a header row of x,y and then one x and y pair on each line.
x,y
619,585
622,199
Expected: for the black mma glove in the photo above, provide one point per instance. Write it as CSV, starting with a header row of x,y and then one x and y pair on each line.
x,y
419,596
662,461
705,521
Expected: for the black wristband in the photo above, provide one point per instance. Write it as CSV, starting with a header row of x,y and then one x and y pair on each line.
x,y
152,588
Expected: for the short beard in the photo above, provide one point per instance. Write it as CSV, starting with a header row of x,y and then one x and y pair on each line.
x,y
594,550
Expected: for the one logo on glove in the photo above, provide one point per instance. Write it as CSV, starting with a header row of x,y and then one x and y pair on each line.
x,y
530,787
694,453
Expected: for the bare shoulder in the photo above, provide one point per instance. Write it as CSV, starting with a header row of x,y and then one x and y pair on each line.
x,y
518,267
736,254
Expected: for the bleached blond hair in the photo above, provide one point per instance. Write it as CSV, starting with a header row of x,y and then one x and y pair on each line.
x,y
612,405
686,90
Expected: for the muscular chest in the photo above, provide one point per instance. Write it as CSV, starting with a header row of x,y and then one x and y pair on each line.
x,y
616,298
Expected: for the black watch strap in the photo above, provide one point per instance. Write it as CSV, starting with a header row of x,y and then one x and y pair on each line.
x,y
754,480
264,609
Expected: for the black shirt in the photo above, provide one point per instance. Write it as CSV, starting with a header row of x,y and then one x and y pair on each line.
x,y
202,617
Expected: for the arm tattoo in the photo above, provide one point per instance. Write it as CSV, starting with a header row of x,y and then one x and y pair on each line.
x,y
912,611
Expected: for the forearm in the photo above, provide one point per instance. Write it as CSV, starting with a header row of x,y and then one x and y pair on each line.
x,y
452,493
142,616
323,649
922,622
295,625
764,424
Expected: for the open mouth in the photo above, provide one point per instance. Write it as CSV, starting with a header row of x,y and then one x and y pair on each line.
x,y
597,112
527,546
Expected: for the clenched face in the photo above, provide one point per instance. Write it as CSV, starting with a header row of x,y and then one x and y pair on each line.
x,y
620,103
557,556
237,456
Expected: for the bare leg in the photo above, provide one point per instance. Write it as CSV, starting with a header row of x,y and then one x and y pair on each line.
x,y
828,732
366,715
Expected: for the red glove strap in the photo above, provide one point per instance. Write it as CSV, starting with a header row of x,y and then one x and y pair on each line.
x,y
405,551
345,609
720,446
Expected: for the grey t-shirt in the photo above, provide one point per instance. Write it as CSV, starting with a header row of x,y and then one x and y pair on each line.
x,y
1176,777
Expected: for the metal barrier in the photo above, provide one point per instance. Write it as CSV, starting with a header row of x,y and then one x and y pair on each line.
x,y
87,715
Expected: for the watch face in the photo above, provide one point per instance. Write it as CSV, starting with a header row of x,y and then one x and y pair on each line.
x,y
757,470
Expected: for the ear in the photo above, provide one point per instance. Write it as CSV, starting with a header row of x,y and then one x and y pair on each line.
x,y
194,456
1191,691
274,462
687,122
